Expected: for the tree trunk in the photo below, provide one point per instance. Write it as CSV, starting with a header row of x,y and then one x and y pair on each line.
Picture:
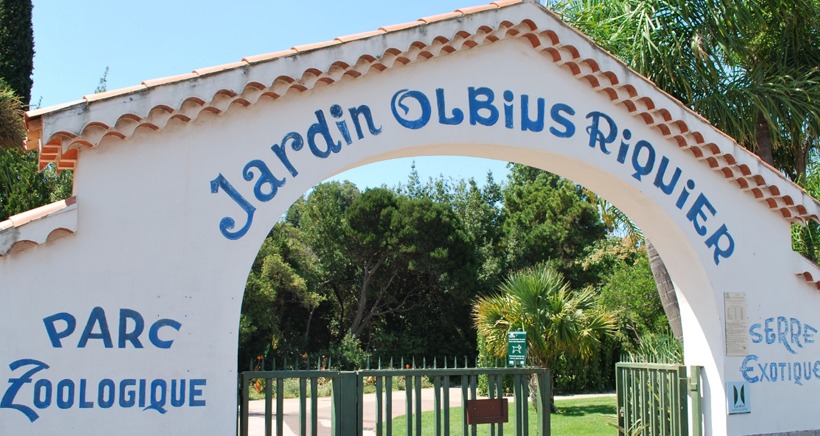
x,y
763,138
666,291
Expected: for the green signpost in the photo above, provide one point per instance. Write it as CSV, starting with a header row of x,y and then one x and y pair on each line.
x,y
517,348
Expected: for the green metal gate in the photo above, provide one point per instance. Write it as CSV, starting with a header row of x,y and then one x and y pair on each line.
x,y
653,399
348,400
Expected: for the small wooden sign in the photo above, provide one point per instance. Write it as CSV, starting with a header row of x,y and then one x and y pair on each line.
x,y
487,411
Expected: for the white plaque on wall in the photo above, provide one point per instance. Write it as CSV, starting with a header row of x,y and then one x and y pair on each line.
x,y
737,336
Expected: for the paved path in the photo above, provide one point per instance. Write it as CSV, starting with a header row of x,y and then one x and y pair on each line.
x,y
291,411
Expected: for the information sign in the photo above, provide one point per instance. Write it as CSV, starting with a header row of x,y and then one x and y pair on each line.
x,y
517,348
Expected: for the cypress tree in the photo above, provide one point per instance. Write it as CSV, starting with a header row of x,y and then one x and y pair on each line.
x,y
17,46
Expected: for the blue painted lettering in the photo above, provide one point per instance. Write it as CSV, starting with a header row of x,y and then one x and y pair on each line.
x,y
320,128
128,396
643,168
7,402
412,109
721,250
97,318
42,394
177,393
528,124
398,102
684,194
337,112
457,115
227,223
509,122
782,333
666,188
748,366
597,135
195,399
105,393
296,143
66,394
789,332
56,336
557,114
268,185
131,327
481,102
756,336
623,150
769,331
153,333
363,111
84,403
808,334
132,336
696,212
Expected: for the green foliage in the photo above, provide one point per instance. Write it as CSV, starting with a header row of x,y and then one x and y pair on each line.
x,y
22,185
28,188
656,348
347,354
806,238
561,323
748,67
630,293
280,298
558,320
12,129
547,219
17,46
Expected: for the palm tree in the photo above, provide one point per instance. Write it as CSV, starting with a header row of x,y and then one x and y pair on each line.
x,y
751,68
558,320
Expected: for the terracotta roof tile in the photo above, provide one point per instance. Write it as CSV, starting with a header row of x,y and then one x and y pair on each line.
x,y
504,3
315,46
269,56
474,9
609,77
113,93
362,35
38,226
401,26
38,112
220,68
441,17
170,79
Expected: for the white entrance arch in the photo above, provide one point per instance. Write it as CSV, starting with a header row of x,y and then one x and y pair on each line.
x,y
120,307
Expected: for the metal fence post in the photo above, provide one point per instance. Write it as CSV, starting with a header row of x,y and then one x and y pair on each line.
x,y
544,402
694,395
345,411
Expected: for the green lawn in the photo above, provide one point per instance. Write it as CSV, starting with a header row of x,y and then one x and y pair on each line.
x,y
584,416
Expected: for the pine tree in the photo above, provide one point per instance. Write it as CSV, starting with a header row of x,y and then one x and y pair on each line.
x,y
17,46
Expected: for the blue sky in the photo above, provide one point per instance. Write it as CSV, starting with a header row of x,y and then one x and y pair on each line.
x,y
76,40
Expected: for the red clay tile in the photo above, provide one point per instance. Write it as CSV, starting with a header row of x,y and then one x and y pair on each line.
x,y
504,3
113,93
315,46
441,17
166,80
363,35
268,56
474,9
402,26
220,68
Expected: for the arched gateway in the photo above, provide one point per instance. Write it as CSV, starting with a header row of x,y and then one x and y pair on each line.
x,y
119,308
